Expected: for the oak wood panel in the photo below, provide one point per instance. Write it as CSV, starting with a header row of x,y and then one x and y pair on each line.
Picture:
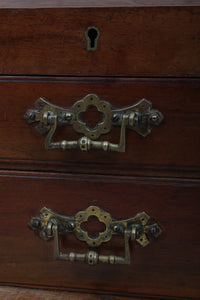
x,y
169,266
138,41
172,149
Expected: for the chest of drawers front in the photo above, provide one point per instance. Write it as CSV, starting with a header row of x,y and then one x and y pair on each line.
x,y
136,52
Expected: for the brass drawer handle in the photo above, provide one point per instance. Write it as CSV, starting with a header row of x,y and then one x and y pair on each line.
x,y
52,225
140,117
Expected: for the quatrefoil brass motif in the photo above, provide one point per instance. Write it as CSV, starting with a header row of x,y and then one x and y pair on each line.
x,y
102,106
51,225
103,217
139,117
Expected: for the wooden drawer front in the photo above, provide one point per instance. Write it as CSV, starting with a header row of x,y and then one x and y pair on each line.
x,y
172,146
142,41
167,266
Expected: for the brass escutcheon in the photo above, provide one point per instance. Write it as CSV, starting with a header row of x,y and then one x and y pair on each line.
x,y
92,35
139,117
51,225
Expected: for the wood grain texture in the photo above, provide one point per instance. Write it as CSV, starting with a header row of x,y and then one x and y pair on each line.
x,y
94,3
172,149
169,266
146,41
11,293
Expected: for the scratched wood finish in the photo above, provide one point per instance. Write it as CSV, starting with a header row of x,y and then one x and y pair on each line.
x,y
169,266
173,146
134,41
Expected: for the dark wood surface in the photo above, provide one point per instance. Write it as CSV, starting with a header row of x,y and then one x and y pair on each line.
x,y
94,3
147,49
140,41
172,149
13,293
169,266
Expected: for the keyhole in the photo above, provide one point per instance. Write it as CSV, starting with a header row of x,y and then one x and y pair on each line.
x,y
92,35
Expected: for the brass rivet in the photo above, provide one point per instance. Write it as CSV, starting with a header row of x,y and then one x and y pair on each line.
x,y
115,118
68,116
154,118
31,115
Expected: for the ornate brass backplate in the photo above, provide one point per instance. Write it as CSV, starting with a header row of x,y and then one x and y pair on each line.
x,y
140,117
52,225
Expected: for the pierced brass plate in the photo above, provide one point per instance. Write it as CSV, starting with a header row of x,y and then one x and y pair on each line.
x,y
139,117
83,216
52,225
102,106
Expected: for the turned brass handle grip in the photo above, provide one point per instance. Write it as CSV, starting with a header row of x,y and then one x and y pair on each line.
x,y
51,225
140,117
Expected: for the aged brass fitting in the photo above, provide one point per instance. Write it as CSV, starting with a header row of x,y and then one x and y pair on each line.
x,y
139,117
52,225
